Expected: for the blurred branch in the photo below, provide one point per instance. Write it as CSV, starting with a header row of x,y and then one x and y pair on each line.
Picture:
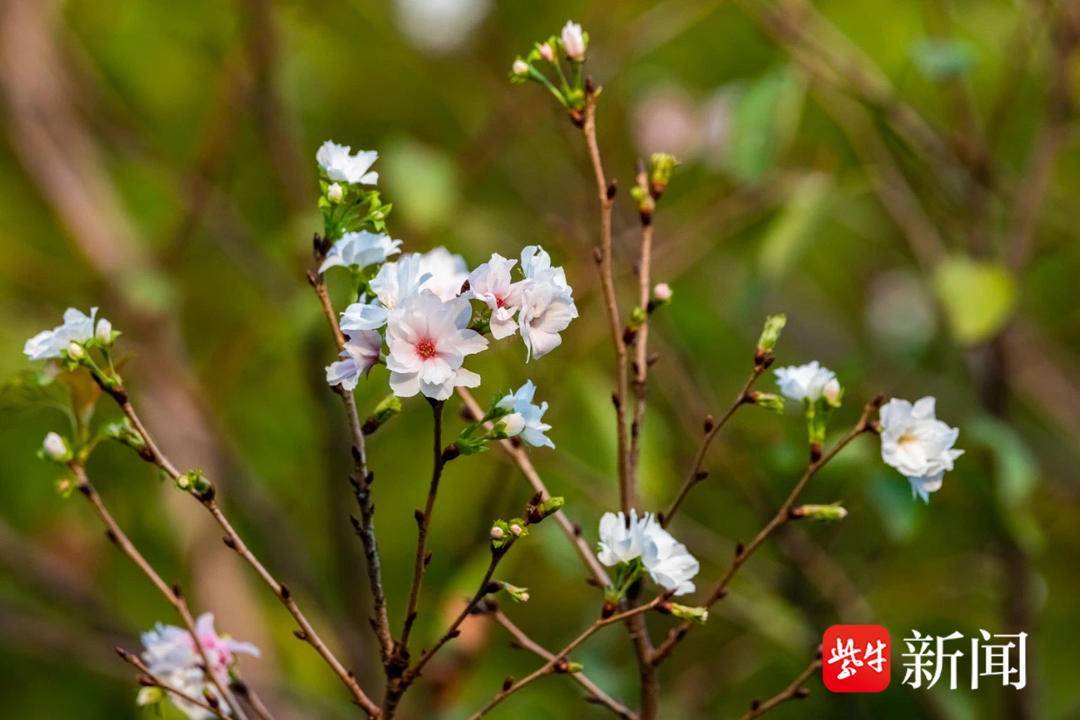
x,y
1050,139
149,679
795,691
170,593
558,663
782,517
520,458
595,694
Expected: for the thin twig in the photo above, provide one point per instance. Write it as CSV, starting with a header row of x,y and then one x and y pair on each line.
x,y
795,691
497,554
148,678
361,484
557,662
782,516
641,334
520,458
170,593
697,474
606,195
595,693
232,539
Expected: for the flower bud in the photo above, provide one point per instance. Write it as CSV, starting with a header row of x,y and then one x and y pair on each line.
x,y
827,513
75,351
335,193
833,393
510,425
518,594
537,511
497,533
769,401
55,448
103,333
662,292
518,528
547,52
661,165
770,334
699,615
500,535
574,41
520,68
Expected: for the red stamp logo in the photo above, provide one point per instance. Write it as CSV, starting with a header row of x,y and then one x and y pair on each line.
x,y
855,658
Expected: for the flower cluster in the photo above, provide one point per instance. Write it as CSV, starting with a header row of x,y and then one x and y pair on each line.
x,y
567,88
171,656
917,444
636,544
428,310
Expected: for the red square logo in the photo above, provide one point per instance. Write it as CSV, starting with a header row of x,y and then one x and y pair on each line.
x,y
855,658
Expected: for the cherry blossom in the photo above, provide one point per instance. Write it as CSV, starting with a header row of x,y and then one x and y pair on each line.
x,y
360,249
428,341
338,162
491,284
917,444
360,353
529,424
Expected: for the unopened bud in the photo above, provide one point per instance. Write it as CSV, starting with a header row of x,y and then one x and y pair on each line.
x,y
699,615
828,513
510,425
537,511
497,533
661,165
520,68
335,193
54,447
75,351
517,527
547,52
770,334
517,594
103,332
769,401
662,292
833,393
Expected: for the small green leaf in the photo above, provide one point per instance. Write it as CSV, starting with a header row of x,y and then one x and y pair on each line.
x,y
978,297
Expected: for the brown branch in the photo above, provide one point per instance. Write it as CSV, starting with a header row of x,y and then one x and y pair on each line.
x,y
397,668
795,691
606,195
361,484
171,593
782,516
497,554
641,334
697,474
148,678
557,661
1050,140
595,693
520,458
232,540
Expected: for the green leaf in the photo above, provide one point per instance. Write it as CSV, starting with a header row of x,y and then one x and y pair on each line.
x,y
764,118
978,297
794,226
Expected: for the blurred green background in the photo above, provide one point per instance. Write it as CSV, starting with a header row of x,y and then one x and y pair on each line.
x,y
898,177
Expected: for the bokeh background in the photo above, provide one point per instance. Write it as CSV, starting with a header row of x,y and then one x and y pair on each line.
x,y
898,177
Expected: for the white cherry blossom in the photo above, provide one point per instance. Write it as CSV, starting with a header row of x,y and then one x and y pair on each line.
x,y
622,539
360,353
428,341
917,444
360,249
667,560
77,328
546,311
448,272
338,162
491,284
805,382
530,416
